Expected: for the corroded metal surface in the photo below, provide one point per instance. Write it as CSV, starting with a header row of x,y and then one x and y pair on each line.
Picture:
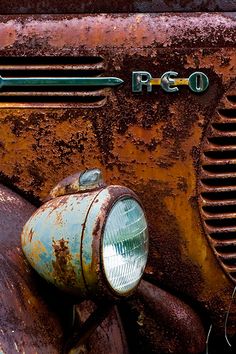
x,y
51,240
161,323
91,6
218,182
53,68
28,322
148,142
89,180
36,318
105,336
63,240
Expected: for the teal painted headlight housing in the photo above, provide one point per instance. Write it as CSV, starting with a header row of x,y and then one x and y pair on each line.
x,y
89,242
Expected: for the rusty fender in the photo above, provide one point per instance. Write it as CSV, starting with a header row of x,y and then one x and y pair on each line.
x,y
162,323
35,317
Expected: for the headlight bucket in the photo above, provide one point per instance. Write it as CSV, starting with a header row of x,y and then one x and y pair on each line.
x,y
63,241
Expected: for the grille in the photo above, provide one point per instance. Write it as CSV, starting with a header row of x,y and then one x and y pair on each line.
x,y
53,67
218,183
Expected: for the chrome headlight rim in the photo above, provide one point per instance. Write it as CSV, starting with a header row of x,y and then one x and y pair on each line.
x,y
129,194
92,242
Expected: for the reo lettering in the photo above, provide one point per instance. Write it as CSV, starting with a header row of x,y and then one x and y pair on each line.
x,y
140,79
197,82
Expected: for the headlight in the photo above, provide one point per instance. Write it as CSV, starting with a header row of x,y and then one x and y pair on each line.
x,y
92,242
125,245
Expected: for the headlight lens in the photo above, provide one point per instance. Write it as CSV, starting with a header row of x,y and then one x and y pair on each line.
x,y
125,245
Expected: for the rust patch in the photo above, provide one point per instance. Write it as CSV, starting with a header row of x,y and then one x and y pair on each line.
x,y
29,319
8,35
182,184
104,326
216,184
63,272
30,235
161,323
166,262
101,6
148,142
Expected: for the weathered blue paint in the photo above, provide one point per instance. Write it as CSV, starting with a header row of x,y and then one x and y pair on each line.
x,y
51,240
62,240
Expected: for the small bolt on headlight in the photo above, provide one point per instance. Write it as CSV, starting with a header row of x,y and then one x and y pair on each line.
x,y
89,239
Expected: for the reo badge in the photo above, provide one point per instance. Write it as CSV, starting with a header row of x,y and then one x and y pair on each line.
x,y
197,81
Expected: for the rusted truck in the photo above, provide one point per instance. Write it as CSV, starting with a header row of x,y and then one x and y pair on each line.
x,y
145,92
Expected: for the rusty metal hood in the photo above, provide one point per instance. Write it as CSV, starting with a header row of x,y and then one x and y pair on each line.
x,y
72,6
150,142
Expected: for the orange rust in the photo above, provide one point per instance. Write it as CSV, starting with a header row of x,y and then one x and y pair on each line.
x,y
149,142
63,270
38,248
8,34
223,62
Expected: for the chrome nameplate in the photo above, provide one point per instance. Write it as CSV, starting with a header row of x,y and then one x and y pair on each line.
x,y
197,81
59,81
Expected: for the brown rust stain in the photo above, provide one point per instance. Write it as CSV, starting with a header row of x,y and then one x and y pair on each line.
x,y
113,338
162,323
104,6
28,321
56,140
31,235
63,271
101,32
59,219
148,142
214,219
66,186
168,260
8,34
108,335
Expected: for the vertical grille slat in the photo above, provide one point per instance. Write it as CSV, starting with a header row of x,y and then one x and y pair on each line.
x,y
217,187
